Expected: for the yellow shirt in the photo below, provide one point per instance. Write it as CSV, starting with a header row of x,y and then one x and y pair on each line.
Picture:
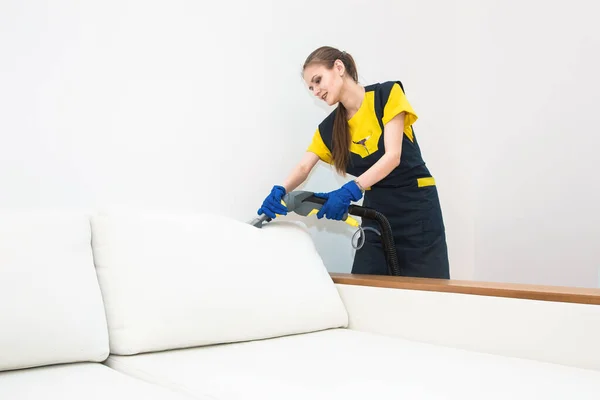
x,y
365,130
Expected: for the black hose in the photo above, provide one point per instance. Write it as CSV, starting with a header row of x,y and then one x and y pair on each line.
x,y
387,237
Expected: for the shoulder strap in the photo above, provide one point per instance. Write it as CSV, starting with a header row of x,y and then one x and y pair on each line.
x,y
326,130
384,91
381,97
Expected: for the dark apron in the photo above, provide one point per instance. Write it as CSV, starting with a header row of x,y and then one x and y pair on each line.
x,y
416,220
407,197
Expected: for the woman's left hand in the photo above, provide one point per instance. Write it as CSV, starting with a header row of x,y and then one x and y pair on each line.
x,y
338,201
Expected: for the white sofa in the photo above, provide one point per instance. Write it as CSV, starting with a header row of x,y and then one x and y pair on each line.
x,y
205,307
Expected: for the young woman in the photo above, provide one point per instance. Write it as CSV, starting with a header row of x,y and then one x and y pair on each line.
x,y
370,136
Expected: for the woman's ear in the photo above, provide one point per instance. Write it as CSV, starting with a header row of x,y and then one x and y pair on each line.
x,y
339,66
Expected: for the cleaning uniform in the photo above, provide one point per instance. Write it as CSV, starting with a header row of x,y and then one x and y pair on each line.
x,y
407,196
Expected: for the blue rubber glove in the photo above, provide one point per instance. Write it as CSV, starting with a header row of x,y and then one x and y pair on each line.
x,y
272,204
338,201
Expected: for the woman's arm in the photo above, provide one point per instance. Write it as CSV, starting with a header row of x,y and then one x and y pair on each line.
x,y
300,172
394,131
393,135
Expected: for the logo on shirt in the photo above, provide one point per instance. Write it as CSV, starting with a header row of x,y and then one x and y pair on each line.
x,y
363,142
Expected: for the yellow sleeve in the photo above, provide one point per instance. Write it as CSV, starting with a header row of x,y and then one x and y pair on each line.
x,y
318,147
396,104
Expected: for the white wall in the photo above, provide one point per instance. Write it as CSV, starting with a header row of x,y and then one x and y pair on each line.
x,y
538,191
200,105
189,105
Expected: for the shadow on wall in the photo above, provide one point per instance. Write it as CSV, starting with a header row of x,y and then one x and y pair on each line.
x,y
333,241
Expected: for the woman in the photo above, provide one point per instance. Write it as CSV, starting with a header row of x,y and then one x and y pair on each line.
x,y
370,136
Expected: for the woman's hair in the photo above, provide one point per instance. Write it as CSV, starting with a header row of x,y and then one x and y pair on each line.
x,y
327,56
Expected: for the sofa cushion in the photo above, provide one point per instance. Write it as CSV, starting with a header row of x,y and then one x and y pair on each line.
x,y
344,364
51,308
176,281
81,381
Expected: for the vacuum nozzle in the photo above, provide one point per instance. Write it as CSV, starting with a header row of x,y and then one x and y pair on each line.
x,y
258,221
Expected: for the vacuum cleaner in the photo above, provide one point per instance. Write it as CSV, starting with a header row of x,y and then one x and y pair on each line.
x,y
306,204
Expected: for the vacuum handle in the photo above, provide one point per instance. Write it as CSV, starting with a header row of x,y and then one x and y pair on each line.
x,y
358,211
346,218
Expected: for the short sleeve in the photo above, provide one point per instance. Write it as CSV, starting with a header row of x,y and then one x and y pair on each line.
x,y
396,104
318,147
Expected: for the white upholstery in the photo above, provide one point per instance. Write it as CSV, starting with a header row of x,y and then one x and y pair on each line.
x,y
346,364
79,382
563,333
51,307
176,281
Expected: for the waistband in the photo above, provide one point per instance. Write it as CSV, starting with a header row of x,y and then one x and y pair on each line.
x,y
416,182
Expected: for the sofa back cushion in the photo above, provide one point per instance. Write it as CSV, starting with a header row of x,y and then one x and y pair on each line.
x,y
51,309
177,281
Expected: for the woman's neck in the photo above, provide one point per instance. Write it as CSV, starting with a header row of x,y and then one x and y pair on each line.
x,y
352,97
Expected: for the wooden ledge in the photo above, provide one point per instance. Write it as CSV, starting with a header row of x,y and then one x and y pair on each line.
x,y
513,290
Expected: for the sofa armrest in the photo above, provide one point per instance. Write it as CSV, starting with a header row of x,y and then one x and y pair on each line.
x,y
551,324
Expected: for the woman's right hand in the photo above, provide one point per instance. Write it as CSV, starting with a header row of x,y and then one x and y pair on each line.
x,y
272,203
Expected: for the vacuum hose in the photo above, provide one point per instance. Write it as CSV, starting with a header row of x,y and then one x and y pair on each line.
x,y
387,238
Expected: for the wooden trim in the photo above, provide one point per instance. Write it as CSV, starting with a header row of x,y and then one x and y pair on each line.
x,y
513,290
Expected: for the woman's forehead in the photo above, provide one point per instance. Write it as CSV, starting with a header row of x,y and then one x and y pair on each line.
x,y
312,71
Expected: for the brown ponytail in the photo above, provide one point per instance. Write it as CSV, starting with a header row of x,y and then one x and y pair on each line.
x,y
341,133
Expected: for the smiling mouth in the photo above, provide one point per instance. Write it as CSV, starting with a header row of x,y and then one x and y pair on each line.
x,y
324,96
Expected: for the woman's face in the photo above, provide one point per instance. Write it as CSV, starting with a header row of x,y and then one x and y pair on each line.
x,y
325,83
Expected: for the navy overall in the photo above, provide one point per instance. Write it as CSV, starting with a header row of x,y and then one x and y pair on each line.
x,y
408,198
